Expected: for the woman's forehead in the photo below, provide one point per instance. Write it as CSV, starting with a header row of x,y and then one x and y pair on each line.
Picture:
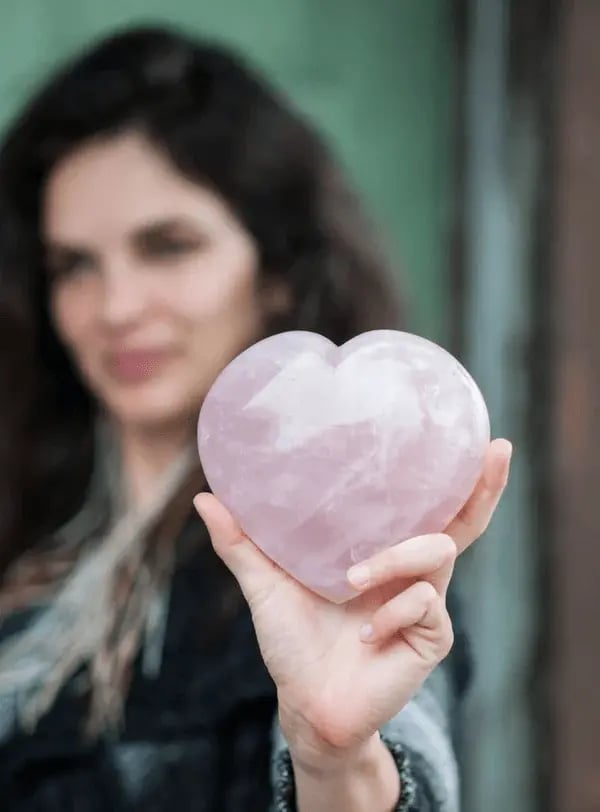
x,y
121,185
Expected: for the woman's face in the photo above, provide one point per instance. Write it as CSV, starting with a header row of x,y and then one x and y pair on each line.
x,y
154,281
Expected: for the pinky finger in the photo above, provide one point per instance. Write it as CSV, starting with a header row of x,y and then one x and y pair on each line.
x,y
419,604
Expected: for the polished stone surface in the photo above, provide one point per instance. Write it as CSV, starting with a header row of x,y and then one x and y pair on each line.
x,y
326,455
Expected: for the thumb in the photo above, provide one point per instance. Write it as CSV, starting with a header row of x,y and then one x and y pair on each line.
x,y
252,569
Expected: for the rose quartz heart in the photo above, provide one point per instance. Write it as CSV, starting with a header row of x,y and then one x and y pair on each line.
x,y
327,454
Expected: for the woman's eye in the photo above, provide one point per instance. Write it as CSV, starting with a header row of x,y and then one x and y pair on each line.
x,y
166,247
66,267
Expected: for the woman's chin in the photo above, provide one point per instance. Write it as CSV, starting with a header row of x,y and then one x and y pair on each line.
x,y
153,408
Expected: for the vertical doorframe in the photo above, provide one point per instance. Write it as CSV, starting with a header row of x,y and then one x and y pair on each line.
x,y
503,299
576,417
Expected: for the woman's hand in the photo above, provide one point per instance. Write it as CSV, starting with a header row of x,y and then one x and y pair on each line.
x,y
343,671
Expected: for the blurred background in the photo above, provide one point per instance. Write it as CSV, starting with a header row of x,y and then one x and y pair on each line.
x,y
473,131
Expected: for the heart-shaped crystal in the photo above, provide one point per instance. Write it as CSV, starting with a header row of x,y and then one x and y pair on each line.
x,y
327,454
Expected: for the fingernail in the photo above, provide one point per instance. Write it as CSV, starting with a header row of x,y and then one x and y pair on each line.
x,y
366,632
359,576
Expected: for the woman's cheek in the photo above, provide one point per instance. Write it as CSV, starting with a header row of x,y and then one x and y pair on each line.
x,y
74,316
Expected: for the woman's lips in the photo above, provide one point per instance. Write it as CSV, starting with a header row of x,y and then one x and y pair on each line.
x,y
132,366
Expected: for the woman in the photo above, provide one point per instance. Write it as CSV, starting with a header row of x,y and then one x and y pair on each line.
x,y
160,210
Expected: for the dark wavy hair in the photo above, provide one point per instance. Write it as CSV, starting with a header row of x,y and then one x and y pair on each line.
x,y
221,125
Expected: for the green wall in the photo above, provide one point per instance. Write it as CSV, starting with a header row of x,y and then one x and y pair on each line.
x,y
376,77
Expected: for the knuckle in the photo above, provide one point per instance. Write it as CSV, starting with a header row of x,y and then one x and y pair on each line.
x,y
387,562
394,555
476,522
398,557
428,595
446,635
447,549
385,617
485,521
481,525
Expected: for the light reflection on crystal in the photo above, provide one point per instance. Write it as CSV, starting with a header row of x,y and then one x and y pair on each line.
x,y
321,452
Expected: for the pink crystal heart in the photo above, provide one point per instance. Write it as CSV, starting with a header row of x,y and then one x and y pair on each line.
x,y
326,454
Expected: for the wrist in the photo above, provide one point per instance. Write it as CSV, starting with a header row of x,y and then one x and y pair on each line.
x,y
323,761
314,752
356,780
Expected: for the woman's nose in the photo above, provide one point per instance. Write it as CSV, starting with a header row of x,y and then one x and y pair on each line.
x,y
124,300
